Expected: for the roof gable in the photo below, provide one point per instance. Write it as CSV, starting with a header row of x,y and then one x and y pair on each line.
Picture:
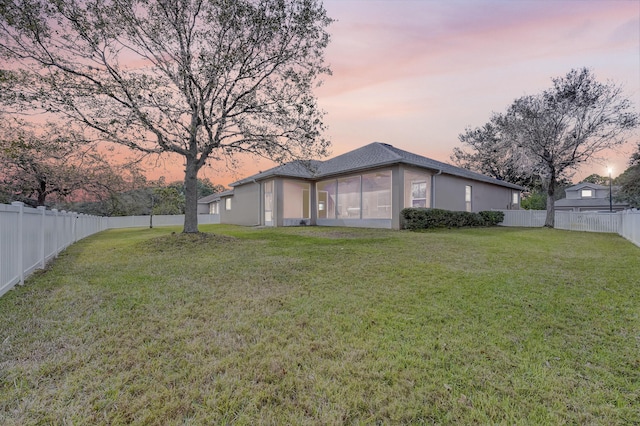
x,y
209,198
368,156
587,185
296,169
215,197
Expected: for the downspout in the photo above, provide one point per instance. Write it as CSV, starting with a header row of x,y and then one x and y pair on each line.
x,y
433,188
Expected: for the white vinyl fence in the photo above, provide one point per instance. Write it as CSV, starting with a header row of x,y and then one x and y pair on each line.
x,y
30,237
630,226
159,220
625,223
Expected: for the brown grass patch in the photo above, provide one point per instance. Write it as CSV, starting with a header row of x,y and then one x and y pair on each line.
x,y
182,241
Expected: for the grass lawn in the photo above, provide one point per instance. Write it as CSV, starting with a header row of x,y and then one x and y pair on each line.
x,y
319,325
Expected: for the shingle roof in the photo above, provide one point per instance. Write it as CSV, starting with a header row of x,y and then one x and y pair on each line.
x,y
209,198
369,156
214,197
298,169
588,202
586,185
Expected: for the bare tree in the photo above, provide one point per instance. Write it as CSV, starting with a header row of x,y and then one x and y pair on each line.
x,y
493,154
561,128
51,164
204,79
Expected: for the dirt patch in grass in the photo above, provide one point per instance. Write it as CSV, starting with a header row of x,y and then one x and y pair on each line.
x,y
340,234
180,241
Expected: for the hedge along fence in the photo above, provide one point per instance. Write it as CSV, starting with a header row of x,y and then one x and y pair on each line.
x,y
423,218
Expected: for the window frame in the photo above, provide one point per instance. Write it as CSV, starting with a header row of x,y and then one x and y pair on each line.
x,y
214,207
412,193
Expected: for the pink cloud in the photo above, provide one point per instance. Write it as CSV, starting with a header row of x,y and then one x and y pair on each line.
x,y
416,73
394,40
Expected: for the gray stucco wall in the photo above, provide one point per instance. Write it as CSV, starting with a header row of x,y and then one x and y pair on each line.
x,y
450,194
245,206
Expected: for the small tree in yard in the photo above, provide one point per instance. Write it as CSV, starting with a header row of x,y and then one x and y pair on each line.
x,y
492,154
629,182
596,179
167,200
204,79
556,131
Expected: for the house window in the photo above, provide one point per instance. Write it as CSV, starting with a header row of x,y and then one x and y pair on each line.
x,y
376,195
586,193
213,208
514,198
227,203
419,193
268,203
467,198
417,189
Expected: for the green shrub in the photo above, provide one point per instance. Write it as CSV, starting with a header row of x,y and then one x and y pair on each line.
x,y
535,201
423,218
492,218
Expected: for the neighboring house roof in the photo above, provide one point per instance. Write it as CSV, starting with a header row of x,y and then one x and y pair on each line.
x,y
598,200
296,169
209,198
587,202
589,185
370,156
214,197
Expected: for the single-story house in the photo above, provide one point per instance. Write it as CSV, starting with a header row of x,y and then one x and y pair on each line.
x,y
587,196
211,203
367,187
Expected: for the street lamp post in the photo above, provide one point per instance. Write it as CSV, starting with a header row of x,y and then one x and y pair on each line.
x,y
151,211
610,196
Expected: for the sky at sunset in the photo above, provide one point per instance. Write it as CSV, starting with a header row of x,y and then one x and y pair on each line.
x,y
416,73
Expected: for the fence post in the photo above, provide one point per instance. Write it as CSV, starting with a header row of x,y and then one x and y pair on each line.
x,y
55,232
43,210
20,237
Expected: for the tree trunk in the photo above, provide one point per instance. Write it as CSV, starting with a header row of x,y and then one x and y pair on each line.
x,y
551,211
42,193
550,221
191,197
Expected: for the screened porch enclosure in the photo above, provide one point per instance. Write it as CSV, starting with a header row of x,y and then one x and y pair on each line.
x,y
365,196
296,200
